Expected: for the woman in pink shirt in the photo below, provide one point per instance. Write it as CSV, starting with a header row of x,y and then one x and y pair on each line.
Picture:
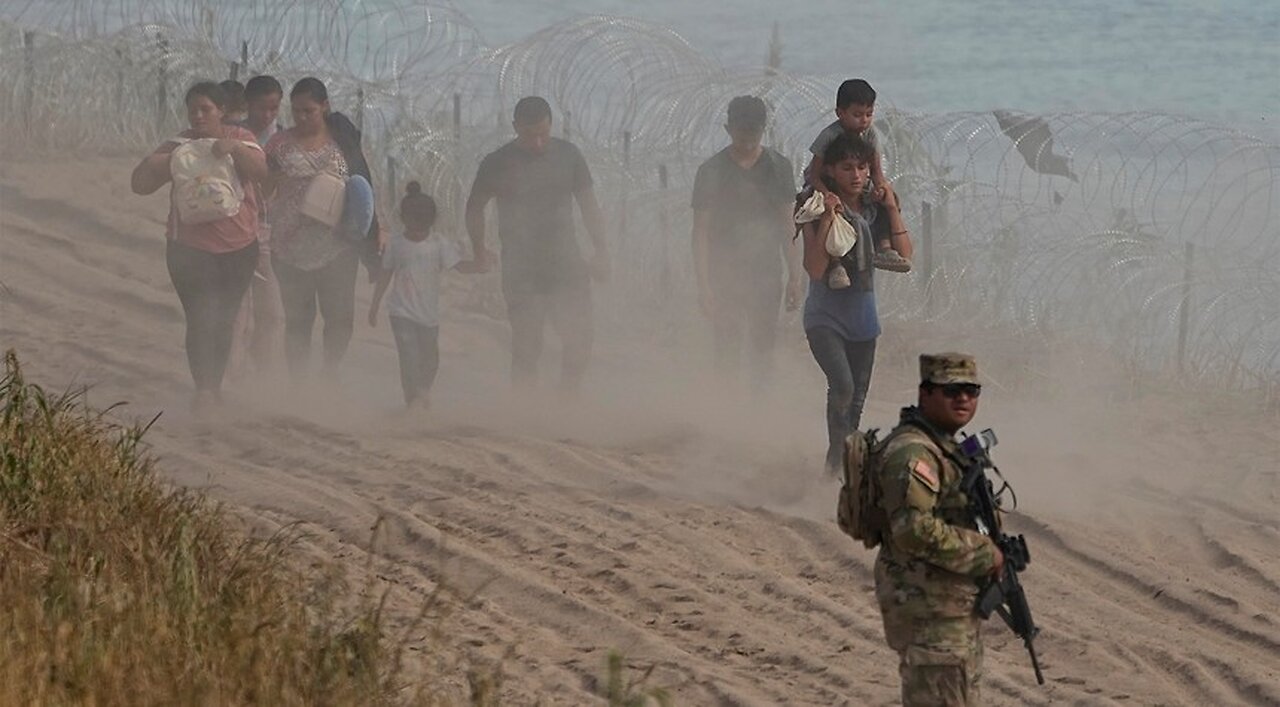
x,y
210,263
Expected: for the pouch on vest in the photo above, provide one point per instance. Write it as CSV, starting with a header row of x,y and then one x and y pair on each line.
x,y
206,188
857,510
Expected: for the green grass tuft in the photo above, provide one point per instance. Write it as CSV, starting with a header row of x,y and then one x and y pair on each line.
x,y
116,589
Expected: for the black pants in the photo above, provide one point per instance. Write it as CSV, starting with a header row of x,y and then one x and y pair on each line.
x,y
333,288
210,287
847,365
567,308
746,322
419,349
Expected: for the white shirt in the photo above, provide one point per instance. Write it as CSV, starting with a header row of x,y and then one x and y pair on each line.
x,y
417,270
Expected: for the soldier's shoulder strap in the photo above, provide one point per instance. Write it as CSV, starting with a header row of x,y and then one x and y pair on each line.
x,y
907,433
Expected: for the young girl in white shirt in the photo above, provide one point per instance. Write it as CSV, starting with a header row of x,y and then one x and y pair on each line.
x,y
413,266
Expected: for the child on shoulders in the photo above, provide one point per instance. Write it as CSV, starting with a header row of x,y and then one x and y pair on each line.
x,y
855,109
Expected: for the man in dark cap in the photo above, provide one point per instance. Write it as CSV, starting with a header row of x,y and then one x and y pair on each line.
x,y
932,558
742,202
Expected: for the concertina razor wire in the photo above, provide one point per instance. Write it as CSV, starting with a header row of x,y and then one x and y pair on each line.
x,y
1152,234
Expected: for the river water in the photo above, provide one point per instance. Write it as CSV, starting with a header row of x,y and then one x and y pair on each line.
x,y
1217,60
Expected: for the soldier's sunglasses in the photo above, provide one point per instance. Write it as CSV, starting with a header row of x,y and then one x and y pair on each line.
x,y
955,390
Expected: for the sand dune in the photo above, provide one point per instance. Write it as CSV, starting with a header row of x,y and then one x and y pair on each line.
x,y
663,516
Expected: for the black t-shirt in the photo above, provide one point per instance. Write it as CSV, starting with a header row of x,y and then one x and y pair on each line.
x,y
746,205
535,194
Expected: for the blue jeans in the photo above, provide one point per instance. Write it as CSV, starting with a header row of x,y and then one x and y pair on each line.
x,y
847,365
419,349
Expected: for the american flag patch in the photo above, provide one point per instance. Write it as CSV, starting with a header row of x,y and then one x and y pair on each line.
x,y
921,469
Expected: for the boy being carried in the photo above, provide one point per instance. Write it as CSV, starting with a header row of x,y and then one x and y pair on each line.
x,y
855,109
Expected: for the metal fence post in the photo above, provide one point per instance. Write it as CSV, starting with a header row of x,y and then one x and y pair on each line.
x,y
1184,308
392,190
119,81
459,218
457,116
162,85
664,221
626,182
926,254
29,72
360,109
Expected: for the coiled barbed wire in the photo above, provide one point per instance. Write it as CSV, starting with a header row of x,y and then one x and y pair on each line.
x,y
1147,222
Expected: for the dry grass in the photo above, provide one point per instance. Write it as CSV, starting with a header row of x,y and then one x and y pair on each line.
x,y
118,590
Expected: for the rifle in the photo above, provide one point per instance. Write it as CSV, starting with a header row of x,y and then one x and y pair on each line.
x,y
1004,595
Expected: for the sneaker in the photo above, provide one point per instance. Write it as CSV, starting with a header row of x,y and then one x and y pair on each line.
x,y
838,278
890,260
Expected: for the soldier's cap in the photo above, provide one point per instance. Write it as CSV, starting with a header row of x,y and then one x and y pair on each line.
x,y
945,368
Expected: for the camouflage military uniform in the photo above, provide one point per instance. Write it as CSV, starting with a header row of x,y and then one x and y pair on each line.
x,y
929,566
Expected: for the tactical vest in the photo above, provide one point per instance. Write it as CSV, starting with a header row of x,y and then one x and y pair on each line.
x,y
953,503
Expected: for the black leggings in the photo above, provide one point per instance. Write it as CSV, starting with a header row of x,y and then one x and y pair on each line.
x,y
210,287
333,287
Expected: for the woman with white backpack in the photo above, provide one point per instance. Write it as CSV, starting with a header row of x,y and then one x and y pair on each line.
x,y
212,233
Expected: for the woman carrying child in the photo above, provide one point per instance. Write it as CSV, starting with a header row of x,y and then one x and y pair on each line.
x,y
413,266
210,261
842,324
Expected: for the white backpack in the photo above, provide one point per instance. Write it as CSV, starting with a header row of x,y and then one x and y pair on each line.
x,y
205,188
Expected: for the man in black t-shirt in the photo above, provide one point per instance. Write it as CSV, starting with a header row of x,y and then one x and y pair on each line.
x,y
742,237
535,179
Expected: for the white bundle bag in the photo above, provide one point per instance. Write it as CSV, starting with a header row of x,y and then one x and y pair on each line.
x,y
206,187
324,199
842,237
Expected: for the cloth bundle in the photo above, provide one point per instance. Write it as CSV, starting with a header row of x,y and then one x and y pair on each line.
x,y
842,237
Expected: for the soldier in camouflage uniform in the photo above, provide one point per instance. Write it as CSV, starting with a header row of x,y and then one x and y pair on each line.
x,y
932,559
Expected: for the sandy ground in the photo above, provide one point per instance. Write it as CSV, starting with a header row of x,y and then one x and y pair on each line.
x,y
665,515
